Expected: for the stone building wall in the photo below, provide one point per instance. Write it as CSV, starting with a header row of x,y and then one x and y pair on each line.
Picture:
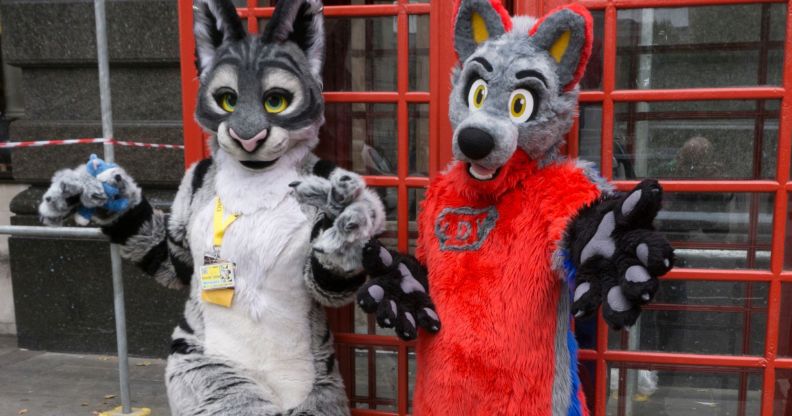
x,y
62,289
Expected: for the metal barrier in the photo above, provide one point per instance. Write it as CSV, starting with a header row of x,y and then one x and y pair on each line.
x,y
74,232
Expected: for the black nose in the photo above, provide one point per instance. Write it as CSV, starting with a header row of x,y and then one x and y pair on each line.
x,y
475,143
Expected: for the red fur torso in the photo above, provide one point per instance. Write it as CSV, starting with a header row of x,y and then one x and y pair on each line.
x,y
498,302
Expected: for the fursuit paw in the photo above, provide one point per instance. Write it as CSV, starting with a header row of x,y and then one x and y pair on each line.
x,y
397,292
101,198
618,255
352,216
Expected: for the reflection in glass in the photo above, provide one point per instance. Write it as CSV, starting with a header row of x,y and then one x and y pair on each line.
x,y
360,137
419,139
592,78
419,52
700,317
375,373
782,405
785,322
696,139
718,230
590,134
693,47
788,237
361,54
663,391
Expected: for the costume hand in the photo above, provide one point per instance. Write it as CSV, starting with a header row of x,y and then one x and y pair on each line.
x,y
76,189
352,216
397,292
619,255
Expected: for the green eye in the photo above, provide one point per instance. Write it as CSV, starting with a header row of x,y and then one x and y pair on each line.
x,y
276,103
227,101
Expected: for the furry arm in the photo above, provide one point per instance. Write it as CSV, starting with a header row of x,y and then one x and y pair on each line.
x,y
347,216
157,242
617,255
153,240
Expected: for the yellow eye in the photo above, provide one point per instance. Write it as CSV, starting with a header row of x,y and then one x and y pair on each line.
x,y
227,101
477,95
276,103
521,105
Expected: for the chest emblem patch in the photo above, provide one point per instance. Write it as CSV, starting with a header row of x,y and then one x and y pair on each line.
x,y
464,228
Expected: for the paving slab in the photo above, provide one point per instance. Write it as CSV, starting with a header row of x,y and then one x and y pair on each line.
x,y
52,384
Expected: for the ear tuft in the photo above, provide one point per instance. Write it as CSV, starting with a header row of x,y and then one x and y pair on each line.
x,y
476,22
567,34
214,22
301,22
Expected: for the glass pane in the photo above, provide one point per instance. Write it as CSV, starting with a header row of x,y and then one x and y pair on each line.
x,y
718,230
375,378
360,137
700,317
785,323
782,405
691,47
416,197
419,52
592,79
788,237
663,391
361,54
696,139
411,369
269,3
590,133
419,139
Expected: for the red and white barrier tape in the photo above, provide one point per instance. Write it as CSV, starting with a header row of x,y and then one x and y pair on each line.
x,y
43,143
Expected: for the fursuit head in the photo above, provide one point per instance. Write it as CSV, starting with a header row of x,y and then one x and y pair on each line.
x,y
514,238
289,226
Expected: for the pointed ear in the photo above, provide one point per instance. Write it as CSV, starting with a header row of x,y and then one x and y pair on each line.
x,y
214,22
301,22
567,34
476,21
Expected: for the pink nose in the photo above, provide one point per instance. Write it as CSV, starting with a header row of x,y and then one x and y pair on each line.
x,y
251,144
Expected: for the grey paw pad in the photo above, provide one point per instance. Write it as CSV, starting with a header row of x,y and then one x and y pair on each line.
x,y
385,257
617,301
581,290
376,292
601,243
410,318
408,283
430,313
629,204
642,251
637,274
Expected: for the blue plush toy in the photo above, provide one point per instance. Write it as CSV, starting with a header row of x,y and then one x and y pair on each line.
x,y
115,203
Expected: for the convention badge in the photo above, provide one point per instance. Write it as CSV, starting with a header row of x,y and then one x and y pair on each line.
x,y
218,275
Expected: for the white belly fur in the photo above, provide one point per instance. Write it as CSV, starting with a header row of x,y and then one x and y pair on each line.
x,y
267,328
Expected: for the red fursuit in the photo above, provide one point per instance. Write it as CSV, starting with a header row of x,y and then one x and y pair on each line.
x,y
494,287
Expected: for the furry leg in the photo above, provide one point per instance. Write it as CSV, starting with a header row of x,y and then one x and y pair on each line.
x,y
327,398
199,384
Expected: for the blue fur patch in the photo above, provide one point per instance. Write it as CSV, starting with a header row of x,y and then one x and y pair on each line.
x,y
575,407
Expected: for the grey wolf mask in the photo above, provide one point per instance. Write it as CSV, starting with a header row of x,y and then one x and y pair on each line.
x,y
516,83
260,96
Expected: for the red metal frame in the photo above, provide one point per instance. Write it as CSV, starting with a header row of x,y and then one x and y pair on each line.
x,y
442,59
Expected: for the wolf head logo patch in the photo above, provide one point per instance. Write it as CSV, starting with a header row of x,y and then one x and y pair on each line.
x,y
464,228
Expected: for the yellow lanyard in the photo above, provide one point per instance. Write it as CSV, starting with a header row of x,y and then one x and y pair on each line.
x,y
221,224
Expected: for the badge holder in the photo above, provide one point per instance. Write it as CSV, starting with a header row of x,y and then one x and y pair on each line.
x,y
217,275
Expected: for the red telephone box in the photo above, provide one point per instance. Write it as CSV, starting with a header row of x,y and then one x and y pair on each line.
x,y
695,92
